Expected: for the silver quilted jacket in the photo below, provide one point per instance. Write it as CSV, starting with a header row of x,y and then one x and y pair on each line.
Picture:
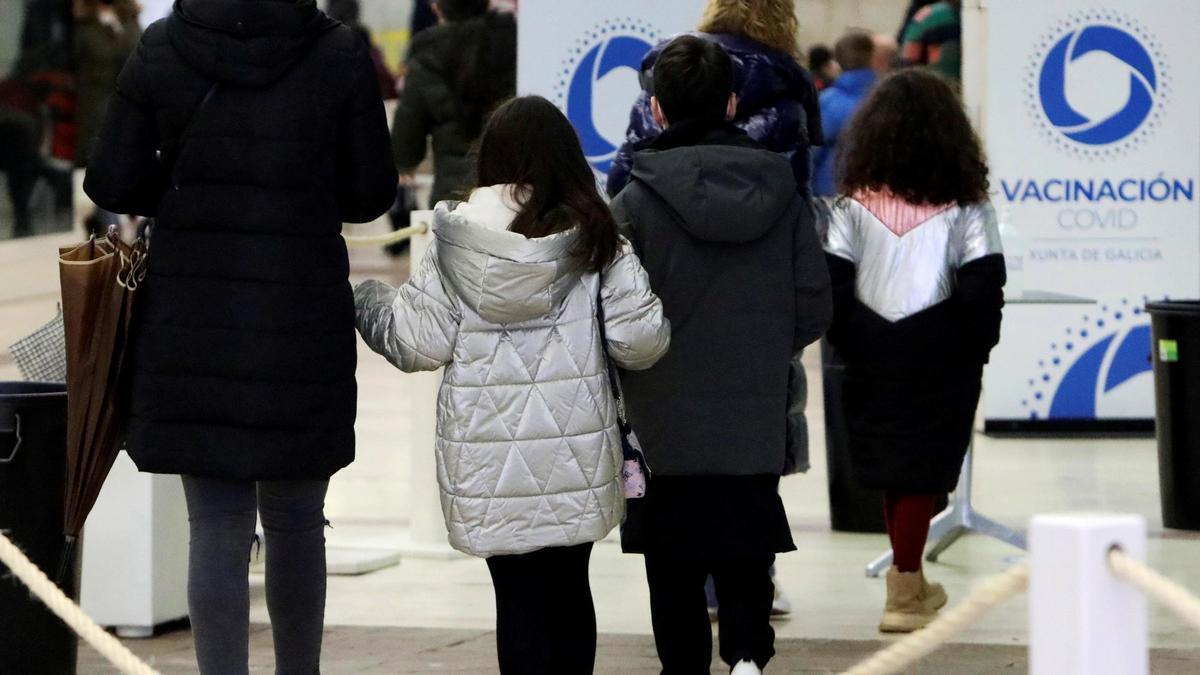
x,y
528,451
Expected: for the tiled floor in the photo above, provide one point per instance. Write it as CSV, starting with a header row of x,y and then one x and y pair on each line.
x,y
402,619
380,650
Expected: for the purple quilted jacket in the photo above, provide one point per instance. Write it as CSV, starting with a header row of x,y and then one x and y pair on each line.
x,y
777,106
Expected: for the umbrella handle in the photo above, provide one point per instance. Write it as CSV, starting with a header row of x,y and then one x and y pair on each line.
x,y
16,431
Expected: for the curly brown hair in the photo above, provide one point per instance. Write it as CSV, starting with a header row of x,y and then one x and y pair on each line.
x,y
912,137
769,22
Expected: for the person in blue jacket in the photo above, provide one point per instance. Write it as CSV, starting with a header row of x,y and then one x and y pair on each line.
x,y
776,99
855,52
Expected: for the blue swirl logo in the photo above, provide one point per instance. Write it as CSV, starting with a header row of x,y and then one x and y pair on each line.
x,y
1052,85
599,83
1099,369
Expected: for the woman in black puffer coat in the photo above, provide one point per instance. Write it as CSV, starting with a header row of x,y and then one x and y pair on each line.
x,y
251,130
458,73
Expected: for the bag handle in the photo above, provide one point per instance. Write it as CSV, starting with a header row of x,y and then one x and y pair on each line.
x,y
613,380
145,230
179,141
16,431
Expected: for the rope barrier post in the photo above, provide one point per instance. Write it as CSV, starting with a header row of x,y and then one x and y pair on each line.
x,y
427,527
1083,620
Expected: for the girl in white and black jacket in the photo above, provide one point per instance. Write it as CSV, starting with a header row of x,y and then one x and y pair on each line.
x,y
918,272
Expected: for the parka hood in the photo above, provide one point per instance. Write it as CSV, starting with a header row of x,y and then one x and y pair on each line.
x,y
501,275
723,188
247,43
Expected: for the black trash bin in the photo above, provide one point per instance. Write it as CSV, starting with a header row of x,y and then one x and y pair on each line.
x,y
1176,353
852,507
33,439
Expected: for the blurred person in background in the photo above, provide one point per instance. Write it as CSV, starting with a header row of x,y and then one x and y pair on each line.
x,y
457,73
855,54
823,66
423,17
251,130
21,159
913,7
106,33
918,272
777,101
933,38
37,118
349,12
887,53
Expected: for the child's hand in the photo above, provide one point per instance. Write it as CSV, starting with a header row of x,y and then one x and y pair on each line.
x,y
373,292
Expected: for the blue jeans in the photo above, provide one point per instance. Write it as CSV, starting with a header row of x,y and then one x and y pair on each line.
x,y
222,515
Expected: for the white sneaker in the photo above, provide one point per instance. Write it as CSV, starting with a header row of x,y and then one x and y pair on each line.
x,y
745,668
780,606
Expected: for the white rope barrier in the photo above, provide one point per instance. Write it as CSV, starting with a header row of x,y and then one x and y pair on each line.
x,y
1144,578
920,644
40,585
378,240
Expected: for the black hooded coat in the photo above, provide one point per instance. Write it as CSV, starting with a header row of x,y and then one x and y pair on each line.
x,y
244,351
732,251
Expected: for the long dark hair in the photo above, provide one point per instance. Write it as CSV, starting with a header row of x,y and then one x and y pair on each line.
x,y
529,142
912,137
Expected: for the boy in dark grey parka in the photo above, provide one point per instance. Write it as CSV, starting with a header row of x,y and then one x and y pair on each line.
x,y
732,251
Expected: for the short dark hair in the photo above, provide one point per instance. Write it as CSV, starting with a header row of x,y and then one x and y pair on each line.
x,y
346,11
693,78
461,10
819,57
911,137
854,50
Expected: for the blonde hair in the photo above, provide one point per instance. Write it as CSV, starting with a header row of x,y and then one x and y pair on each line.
x,y
770,22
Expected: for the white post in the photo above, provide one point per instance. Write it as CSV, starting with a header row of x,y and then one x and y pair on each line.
x,y
1082,619
135,549
427,527
975,61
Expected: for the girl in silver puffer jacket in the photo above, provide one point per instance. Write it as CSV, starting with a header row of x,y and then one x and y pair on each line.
x,y
528,450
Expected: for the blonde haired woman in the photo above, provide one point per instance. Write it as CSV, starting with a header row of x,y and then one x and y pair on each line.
x,y
777,101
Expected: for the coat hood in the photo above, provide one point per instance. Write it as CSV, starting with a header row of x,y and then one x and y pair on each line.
x,y
723,191
501,275
248,43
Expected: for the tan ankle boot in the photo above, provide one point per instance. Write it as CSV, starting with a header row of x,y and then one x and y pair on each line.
x,y
934,594
906,609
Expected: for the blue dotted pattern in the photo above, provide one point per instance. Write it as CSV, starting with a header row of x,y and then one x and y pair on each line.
x,y
1068,378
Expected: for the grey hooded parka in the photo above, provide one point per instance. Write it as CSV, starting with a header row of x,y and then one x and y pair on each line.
x,y
528,451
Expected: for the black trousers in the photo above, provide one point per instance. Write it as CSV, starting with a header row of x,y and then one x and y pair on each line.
x,y
545,619
679,610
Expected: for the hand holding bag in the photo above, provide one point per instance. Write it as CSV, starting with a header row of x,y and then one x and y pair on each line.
x,y
635,475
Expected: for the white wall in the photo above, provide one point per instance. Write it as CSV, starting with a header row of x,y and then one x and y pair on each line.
x,y
824,21
12,13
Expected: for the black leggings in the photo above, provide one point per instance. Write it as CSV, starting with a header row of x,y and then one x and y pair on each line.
x,y
679,610
222,514
545,619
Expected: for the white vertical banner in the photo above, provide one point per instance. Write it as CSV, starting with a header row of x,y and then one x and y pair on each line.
x,y
1093,130
585,55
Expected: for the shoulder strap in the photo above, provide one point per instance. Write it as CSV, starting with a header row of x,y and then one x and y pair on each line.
x,y
178,149
613,381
